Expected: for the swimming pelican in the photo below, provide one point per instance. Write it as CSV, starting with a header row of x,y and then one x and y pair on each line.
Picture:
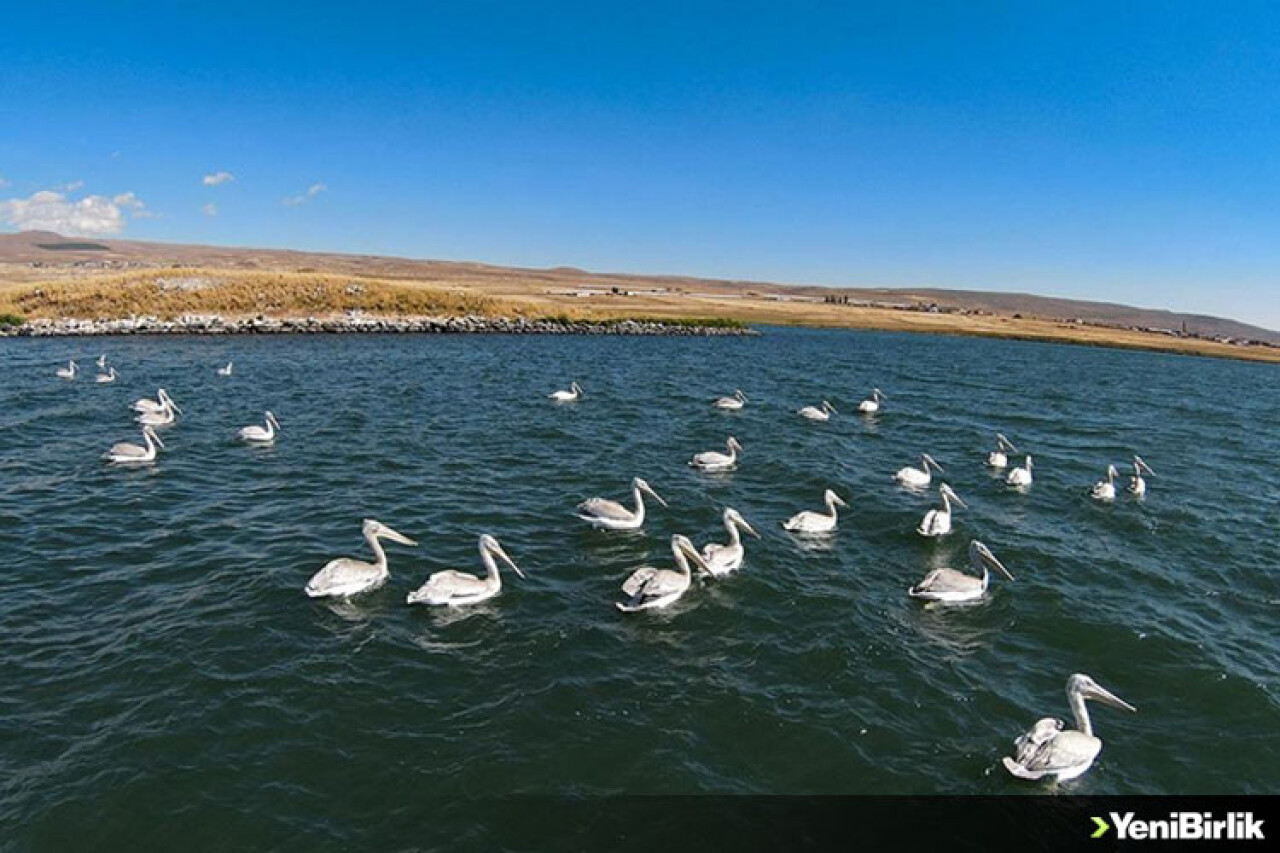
x,y
1047,750
611,515
344,576
723,559
814,413
648,588
456,589
918,477
158,404
816,522
715,461
951,585
872,405
997,457
225,371
158,417
102,360
571,396
1105,490
734,403
1137,485
937,522
109,376
127,453
261,435
68,372
1020,476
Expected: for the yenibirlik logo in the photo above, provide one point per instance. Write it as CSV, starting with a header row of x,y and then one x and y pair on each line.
x,y
1183,826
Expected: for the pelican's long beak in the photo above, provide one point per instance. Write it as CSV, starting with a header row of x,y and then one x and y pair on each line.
x,y
497,549
156,438
397,537
839,500
655,496
1102,694
990,559
748,527
692,553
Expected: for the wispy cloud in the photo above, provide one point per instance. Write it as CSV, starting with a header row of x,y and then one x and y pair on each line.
x,y
312,191
69,187
91,216
210,209
214,179
4,182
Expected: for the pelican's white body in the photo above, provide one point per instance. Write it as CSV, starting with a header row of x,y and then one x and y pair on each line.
x,y
346,577
713,460
457,589
162,401
1050,750
225,371
724,559
1020,476
649,588
68,372
871,405
818,413
127,453
611,515
1105,490
1137,485
997,457
937,522
816,522
952,586
918,478
571,396
261,434
109,376
731,404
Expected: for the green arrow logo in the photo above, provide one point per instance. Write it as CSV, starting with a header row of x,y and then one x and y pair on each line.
x,y
1103,826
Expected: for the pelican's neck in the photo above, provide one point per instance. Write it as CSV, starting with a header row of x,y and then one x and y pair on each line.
x,y
146,436
831,508
733,452
735,536
491,567
946,504
271,429
682,562
378,553
1083,723
639,511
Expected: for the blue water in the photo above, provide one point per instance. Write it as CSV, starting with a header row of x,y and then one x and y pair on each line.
x,y
165,677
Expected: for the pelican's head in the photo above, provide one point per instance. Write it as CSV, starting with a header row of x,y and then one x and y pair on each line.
x,y
878,394
575,388
829,497
271,419
737,392
1112,473
732,516
949,494
1086,688
732,444
829,407
163,396
1004,443
929,460
643,486
489,545
149,432
378,530
980,555
1141,467
684,551
72,364
1027,463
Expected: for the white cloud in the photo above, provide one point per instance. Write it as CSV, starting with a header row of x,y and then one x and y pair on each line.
x,y
210,209
312,191
91,216
71,187
213,179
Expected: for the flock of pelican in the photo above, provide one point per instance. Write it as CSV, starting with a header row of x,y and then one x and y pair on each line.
x,y
1048,750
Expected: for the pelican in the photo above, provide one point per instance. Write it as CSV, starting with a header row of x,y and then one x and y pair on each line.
x,y
102,360
68,372
109,376
573,395
611,515
723,559
1105,490
127,453
1048,750
997,457
732,404
951,585
871,405
648,588
715,461
159,417
816,522
918,477
158,404
225,371
261,435
456,589
937,522
815,413
1137,485
1020,476
344,576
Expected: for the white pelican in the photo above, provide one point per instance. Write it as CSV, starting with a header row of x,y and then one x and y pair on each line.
x,y
997,457
723,559
815,413
1105,490
734,403
158,417
918,477
1048,750
611,515
951,585
872,404
571,396
937,522
1020,476
816,522
225,371
713,460
109,376
261,435
648,588
344,576
127,453
68,372
1137,485
102,360
158,404
456,589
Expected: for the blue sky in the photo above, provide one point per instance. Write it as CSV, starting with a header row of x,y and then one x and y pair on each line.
x,y
1125,152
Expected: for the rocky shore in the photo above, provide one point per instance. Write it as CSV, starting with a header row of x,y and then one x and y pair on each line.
x,y
360,324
